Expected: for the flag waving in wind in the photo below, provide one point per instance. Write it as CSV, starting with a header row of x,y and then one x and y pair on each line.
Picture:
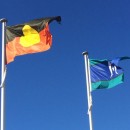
x,y
106,73
30,37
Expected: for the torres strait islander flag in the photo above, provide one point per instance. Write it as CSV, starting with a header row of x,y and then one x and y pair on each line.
x,y
106,73
30,37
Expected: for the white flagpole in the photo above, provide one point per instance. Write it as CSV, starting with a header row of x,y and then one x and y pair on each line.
x,y
88,84
3,70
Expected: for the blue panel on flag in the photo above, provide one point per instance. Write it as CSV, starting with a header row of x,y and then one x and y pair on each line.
x,y
104,71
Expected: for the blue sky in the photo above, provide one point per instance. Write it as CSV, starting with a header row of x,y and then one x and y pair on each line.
x,y
48,90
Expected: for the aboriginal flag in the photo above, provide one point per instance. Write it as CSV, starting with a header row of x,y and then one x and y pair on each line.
x,y
30,37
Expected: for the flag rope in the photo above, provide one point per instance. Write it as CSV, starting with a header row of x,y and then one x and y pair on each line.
x,y
3,80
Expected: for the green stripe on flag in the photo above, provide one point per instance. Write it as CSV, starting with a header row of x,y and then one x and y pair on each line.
x,y
95,62
108,84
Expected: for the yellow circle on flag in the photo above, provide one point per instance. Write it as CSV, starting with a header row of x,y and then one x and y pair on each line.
x,y
31,36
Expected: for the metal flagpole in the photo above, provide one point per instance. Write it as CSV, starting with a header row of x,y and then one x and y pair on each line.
x,y
3,73
88,83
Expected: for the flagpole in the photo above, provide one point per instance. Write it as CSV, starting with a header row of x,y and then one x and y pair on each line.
x,y
3,69
88,84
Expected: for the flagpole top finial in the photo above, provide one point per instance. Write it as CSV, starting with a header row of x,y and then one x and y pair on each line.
x,y
85,53
3,20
